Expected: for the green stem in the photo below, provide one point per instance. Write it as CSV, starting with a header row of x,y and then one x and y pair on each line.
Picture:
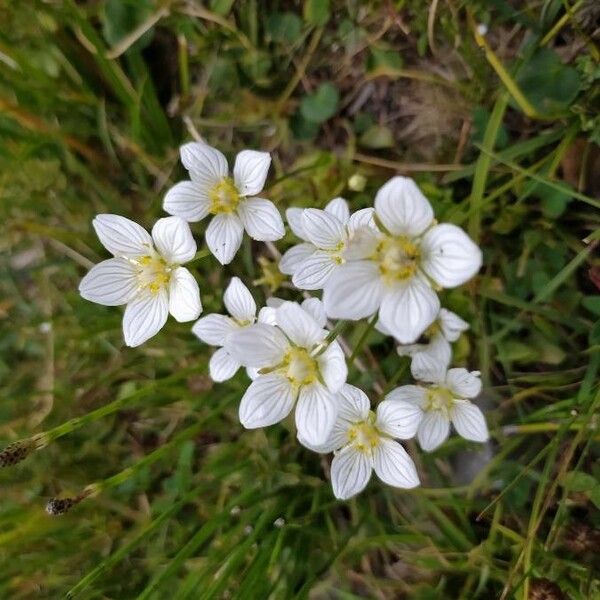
x,y
363,338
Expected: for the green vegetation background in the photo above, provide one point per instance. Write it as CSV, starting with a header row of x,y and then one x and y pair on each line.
x,y
500,129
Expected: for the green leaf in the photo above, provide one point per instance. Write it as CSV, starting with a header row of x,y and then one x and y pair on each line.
x,y
121,17
377,137
595,496
221,7
384,62
321,105
577,481
284,27
592,303
316,12
548,84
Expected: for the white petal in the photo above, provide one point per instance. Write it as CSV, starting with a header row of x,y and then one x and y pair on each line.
x,y
250,171
293,258
187,200
298,325
268,400
184,296
122,237
252,373
207,166
314,307
350,472
402,208
213,329
451,324
239,301
338,207
267,314
433,430
354,404
259,345
261,219
332,365
449,256
399,419
365,217
431,361
353,291
412,394
275,302
469,421
224,237
314,271
316,412
394,466
296,222
112,282
409,309
222,366
144,317
174,240
463,384
336,440
324,230
361,243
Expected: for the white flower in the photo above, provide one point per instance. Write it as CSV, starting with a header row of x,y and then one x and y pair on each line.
x,y
433,346
145,274
394,271
294,363
326,234
232,201
363,441
442,402
214,328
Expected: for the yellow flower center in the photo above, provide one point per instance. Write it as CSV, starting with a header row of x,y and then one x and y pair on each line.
x,y
300,367
397,257
224,197
154,273
440,399
364,436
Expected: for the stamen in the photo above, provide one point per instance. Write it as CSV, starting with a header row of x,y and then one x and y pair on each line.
x,y
397,258
224,197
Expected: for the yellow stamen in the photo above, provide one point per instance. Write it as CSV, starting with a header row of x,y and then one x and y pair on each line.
x,y
364,436
440,399
224,197
300,367
154,273
397,258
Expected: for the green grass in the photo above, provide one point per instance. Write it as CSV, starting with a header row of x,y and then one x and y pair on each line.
x,y
180,501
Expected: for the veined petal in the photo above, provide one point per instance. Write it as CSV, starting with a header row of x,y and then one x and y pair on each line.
x,y
296,222
259,345
398,419
268,400
222,366
365,217
324,230
314,307
354,404
224,237
350,472
261,219
174,240
412,394
433,430
294,258
239,301
188,200
449,256
314,271
122,237
332,365
316,411
267,314
394,466
402,208
469,422
409,309
451,324
298,325
145,316
112,282
207,166
353,291
336,440
213,329
463,383
361,243
338,207
184,296
431,361
250,171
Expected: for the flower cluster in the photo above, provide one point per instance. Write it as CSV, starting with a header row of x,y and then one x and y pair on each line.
x,y
385,263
